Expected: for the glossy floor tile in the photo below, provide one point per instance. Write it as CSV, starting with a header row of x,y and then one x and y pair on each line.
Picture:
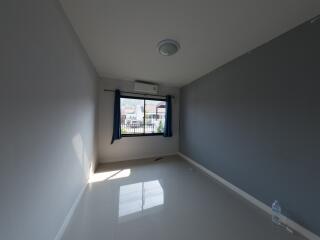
x,y
168,200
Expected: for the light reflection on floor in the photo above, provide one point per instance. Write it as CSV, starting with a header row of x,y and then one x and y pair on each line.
x,y
137,197
170,200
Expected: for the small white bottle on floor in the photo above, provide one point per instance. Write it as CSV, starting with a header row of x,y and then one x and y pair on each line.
x,y
276,212
278,218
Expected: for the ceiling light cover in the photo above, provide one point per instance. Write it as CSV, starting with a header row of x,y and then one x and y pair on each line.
x,y
168,47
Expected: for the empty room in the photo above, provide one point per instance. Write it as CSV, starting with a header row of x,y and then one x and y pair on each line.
x,y
160,120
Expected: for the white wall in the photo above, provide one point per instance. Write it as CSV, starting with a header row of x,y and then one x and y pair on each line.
x,y
129,148
47,116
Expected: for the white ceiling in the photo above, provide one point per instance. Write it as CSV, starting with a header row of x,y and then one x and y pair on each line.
x,y
120,36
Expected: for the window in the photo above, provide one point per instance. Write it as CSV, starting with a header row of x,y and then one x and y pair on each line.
x,y
142,116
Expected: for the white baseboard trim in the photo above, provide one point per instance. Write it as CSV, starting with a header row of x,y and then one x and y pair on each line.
x,y
138,158
70,214
290,223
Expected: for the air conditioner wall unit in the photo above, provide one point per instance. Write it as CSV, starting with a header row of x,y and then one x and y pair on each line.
x,y
145,87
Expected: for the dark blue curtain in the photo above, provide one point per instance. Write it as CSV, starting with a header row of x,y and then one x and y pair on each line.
x,y
168,122
116,117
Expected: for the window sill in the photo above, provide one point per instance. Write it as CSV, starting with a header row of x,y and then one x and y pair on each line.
x,y
142,135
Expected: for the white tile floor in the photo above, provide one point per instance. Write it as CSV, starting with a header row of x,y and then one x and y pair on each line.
x,y
167,200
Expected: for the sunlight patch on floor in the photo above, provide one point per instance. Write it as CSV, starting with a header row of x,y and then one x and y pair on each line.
x,y
109,175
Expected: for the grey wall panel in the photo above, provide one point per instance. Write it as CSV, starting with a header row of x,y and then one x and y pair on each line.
x,y
256,122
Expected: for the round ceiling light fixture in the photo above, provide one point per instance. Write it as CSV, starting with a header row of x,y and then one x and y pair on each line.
x,y
168,47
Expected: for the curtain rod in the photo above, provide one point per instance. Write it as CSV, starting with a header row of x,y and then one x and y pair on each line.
x,y
142,94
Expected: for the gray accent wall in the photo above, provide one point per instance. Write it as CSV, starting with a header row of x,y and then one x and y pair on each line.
x,y
256,122
47,115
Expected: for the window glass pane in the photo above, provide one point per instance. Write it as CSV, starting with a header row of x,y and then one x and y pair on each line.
x,y
155,116
132,114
